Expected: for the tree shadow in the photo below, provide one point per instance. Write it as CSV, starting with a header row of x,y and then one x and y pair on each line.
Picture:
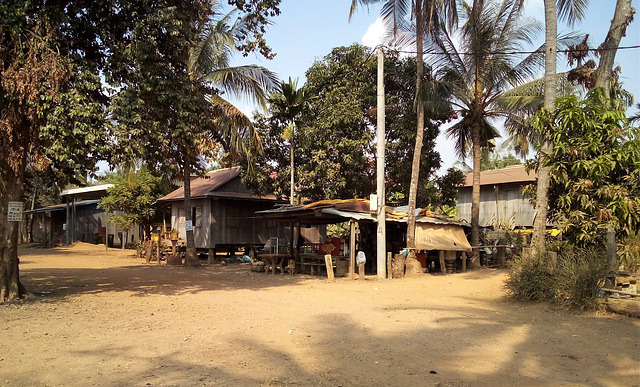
x,y
477,346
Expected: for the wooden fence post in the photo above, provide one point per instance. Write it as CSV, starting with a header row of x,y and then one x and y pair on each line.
x,y
329,263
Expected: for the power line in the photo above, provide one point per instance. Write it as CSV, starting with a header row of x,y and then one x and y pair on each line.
x,y
518,52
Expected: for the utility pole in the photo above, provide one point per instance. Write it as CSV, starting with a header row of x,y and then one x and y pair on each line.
x,y
381,252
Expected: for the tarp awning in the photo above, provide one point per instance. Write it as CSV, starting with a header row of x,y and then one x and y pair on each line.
x,y
431,236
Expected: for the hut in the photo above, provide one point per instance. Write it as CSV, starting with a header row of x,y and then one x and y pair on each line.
x,y
434,234
224,214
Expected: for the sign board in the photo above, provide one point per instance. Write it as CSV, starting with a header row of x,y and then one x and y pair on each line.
x,y
188,225
373,202
64,227
15,212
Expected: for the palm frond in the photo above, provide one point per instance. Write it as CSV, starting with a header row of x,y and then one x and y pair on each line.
x,y
250,81
572,11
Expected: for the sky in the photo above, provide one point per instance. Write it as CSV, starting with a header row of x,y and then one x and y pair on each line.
x,y
307,30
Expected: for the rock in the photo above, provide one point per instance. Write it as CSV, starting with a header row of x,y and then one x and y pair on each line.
x,y
413,268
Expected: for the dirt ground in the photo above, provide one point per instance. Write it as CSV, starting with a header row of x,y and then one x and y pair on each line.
x,y
99,318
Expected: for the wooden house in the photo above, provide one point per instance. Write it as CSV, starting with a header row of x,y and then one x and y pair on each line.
x,y
501,199
78,218
224,213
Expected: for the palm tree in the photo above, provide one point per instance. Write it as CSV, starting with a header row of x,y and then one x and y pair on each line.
x,y
209,62
480,72
288,102
636,117
571,11
427,15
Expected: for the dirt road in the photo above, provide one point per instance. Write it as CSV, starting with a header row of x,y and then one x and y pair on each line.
x,y
102,318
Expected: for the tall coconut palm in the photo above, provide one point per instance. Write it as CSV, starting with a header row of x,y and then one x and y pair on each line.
x,y
571,11
288,102
209,62
427,15
480,71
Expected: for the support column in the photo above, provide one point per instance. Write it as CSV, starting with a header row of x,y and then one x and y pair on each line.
x,y
352,249
381,251
67,223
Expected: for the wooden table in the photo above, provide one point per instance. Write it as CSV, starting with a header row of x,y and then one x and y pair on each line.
x,y
274,261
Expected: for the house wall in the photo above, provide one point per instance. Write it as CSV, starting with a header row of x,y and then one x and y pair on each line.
x,y
228,222
503,204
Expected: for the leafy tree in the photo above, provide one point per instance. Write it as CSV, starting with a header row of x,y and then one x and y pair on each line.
x,y
51,106
428,16
595,173
257,14
335,151
480,73
170,110
487,162
134,193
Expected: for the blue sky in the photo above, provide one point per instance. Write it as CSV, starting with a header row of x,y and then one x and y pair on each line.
x,y
306,30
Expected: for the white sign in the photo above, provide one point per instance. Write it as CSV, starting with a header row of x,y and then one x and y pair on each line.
x,y
373,202
15,212
188,225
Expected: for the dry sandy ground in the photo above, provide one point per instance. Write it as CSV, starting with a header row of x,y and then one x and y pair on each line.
x,y
106,319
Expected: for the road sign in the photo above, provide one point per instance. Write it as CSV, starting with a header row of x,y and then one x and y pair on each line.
x,y
15,212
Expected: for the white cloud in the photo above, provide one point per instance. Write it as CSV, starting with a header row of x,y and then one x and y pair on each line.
x,y
374,34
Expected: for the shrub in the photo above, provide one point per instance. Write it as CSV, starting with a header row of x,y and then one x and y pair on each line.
x,y
579,277
629,253
529,279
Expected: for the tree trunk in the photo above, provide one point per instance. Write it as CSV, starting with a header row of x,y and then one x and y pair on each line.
x,y
475,195
417,151
11,189
292,195
550,77
191,257
622,17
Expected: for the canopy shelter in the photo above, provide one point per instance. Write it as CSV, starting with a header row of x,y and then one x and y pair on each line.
x,y
432,233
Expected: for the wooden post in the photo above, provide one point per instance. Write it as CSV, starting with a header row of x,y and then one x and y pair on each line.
x,y
150,251
159,245
67,217
210,256
464,261
352,250
361,271
329,263
612,262
389,266
443,269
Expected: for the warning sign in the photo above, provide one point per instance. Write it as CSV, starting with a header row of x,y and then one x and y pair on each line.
x,y
15,212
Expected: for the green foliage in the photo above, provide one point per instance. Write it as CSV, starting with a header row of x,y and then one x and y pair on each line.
x,y
339,230
629,252
135,194
575,283
578,279
529,279
334,133
257,17
595,169
489,162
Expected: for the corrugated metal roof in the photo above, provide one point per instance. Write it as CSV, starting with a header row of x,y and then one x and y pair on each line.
x,y
309,212
61,207
86,191
207,185
512,174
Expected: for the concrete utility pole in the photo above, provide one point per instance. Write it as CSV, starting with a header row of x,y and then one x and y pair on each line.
x,y
382,232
